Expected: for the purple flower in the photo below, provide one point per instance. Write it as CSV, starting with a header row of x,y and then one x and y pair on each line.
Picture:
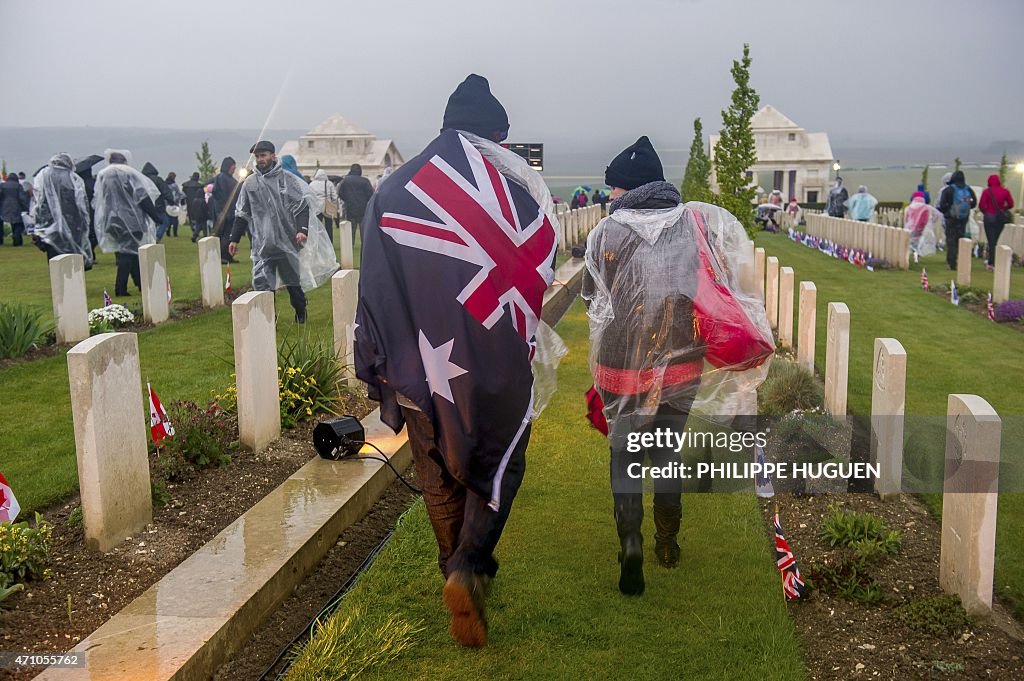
x,y
1009,310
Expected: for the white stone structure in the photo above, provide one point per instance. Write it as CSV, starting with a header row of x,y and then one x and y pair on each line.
x,y
336,144
789,158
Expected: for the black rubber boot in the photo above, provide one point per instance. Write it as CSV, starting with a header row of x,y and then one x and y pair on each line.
x,y
666,529
629,513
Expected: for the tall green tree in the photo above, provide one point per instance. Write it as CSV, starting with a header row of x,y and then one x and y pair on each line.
x,y
696,180
1004,168
956,163
735,152
924,177
207,168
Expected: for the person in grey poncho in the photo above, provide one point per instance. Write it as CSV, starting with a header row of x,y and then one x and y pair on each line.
x,y
126,216
61,211
289,245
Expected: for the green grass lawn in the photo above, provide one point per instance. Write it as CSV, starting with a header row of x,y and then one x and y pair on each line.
x,y
949,350
183,359
555,610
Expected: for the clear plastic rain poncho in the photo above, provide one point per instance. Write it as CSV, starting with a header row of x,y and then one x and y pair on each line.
x,y
121,224
61,208
673,321
272,203
924,223
550,349
862,204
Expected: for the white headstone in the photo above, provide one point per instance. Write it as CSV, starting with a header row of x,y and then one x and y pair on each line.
x,y
771,294
344,296
255,336
888,397
153,267
837,356
970,501
786,307
347,259
1001,287
963,262
210,278
759,269
110,438
807,322
70,308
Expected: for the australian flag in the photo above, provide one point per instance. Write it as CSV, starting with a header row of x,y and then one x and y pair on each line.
x,y
455,262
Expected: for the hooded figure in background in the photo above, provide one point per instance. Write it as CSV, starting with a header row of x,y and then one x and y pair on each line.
x,y
862,204
165,199
221,208
328,208
924,192
14,201
289,164
195,205
924,222
126,215
664,295
837,196
956,203
355,193
62,211
995,204
458,250
289,246
83,168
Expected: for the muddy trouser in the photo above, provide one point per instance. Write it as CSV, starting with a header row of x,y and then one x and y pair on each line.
x,y
993,230
955,230
466,528
127,263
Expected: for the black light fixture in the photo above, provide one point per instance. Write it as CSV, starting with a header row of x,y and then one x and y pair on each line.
x,y
338,437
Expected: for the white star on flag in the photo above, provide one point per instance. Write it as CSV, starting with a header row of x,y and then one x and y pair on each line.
x,y
438,366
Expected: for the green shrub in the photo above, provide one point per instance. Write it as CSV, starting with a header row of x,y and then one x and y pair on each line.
x,y
21,327
789,387
939,616
74,520
848,577
866,535
203,437
309,378
24,554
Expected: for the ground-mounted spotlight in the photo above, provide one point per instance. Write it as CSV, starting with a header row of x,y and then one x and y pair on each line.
x,y
338,437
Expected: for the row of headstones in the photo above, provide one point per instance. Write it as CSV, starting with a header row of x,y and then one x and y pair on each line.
x,y
1003,269
891,244
110,435
1012,236
576,224
67,283
967,554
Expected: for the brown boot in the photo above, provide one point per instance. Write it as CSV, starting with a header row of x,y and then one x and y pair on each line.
x,y
465,594
666,529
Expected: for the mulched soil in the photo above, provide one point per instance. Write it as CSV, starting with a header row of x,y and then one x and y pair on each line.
x,y
843,640
293,616
979,308
100,585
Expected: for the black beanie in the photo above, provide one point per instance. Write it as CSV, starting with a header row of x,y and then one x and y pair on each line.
x,y
635,166
474,109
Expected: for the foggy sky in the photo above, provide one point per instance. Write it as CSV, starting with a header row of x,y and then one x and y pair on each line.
x,y
907,71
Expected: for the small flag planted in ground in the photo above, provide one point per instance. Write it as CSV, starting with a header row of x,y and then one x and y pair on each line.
x,y
924,279
227,281
168,288
9,508
159,424
954,295
792,583
976,250
106,299
765,488
991,310
915,257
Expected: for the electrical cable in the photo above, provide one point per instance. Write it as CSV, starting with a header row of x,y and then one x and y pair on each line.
x,y
383,457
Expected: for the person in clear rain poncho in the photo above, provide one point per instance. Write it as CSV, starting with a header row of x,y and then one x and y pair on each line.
x,y
862,204
672,331
126,215
289,245
924,223
61,211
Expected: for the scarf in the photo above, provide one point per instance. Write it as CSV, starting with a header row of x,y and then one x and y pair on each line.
x,y
664,194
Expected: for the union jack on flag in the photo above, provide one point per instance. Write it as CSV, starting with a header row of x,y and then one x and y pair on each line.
x,y
792,583
106,298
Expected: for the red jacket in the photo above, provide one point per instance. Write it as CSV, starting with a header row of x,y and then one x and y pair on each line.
x,y
1003,199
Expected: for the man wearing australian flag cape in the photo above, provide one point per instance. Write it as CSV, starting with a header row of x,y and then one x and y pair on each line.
x,y
458,251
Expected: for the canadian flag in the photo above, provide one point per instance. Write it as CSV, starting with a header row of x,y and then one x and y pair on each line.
x,y
159,425
9,507
227,281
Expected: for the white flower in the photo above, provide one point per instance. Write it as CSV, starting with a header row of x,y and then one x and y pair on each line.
x,y
115,315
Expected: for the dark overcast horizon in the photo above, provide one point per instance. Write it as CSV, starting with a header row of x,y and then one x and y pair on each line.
x,y
909,72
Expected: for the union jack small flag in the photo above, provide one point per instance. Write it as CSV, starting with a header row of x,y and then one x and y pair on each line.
x,y
924,279
792,584
954,295
991,310
168,289
106,299
227,281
